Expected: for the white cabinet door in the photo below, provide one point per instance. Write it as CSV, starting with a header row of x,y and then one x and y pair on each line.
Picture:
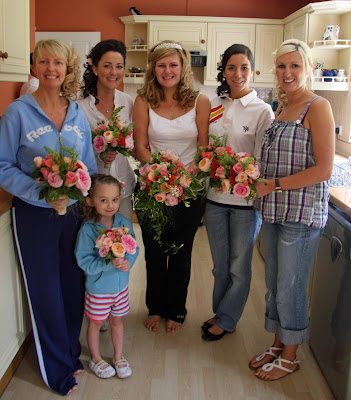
x,y
268,39
297,29
81,41
14,40
220,37
192,35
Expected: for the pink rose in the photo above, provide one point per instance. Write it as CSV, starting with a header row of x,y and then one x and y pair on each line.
x,y
129,142
242,177
114,142
220,172
45,173
151,176
83,181
102,127
180,190
163,171
171,200
108,136
153,167
103,251
71,179
129,244
144,170
205,164
99,242
120,231
170,155
238,168
112,235
55,180
38,161
185,181
240,190
253,171
160,197
179,164
225,186
81,165
100,144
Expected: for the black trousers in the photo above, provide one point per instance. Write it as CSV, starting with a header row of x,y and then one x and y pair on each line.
x,y
168,274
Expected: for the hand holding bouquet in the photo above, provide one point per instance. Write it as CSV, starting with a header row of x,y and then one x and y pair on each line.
x,y
61,176
115,243
228,172
164,182
113,135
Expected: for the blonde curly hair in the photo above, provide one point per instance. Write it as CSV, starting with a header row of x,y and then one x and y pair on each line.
x,y
152,91
57,48
289,46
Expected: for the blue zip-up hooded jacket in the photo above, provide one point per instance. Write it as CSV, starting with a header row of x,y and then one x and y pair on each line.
x,y
99,276
24,131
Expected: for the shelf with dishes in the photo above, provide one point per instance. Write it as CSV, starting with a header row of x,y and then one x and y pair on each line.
x,y
331,44
336,83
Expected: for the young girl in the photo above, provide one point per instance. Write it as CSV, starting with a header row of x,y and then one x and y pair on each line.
x,y
106,284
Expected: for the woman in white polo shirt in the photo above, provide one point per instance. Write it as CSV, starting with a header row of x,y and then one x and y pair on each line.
x,y
232,224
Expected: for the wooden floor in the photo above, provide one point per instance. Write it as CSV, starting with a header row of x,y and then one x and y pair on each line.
x,y
181,366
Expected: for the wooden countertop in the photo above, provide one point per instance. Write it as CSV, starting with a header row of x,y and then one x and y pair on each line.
x,y
341,197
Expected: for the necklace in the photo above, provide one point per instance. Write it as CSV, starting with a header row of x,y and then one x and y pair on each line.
x,y
106,111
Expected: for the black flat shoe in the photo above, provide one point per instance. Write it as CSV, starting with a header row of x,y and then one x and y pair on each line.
x,y
206,325
211,337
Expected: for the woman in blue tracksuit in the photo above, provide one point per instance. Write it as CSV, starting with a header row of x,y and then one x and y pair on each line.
x,y
45,241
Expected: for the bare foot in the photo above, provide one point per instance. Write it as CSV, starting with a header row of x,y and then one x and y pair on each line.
x,y
254,364
173,326
74,388
78,372
272,371
152,322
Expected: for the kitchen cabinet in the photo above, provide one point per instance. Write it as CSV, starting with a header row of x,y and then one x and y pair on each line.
x,y
220,37
15,322
297,29
14,40
268,39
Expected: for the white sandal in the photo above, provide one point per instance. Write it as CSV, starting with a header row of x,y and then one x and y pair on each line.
x,y
103,373
268,352
122,368
277,363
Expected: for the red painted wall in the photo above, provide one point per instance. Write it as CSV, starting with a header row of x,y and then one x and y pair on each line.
x,y
10,90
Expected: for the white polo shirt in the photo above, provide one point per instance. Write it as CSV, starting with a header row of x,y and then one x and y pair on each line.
x,y
244,121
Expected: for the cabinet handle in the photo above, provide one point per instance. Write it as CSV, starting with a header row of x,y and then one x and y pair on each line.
x,y
258,72
3,55
202,41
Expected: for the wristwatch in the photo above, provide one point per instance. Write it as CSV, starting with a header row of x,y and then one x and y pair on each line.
x,y
278,188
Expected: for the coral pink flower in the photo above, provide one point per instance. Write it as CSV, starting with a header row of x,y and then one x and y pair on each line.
x,y
160,197
71,179
185,181
55,180
107,241
114,142
220,172
99,242
121,125
83,181
240,190
45,173
118,249
129,244
55,168
225,185
205,164
38,161
253,171
67,160
81,165
100,144
242,177
108,136
151,176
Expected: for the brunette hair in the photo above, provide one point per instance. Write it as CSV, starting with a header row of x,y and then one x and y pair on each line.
x,y
98,179
152,91
89,78
224,89
57,48
289,46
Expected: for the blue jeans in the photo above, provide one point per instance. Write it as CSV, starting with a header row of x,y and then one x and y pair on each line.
x,y
231,233
289,249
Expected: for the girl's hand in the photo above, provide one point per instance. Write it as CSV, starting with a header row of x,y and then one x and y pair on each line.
x,y
60,204
121,263
111,155
194,169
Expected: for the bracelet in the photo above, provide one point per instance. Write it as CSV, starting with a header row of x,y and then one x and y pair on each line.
x,y
278,188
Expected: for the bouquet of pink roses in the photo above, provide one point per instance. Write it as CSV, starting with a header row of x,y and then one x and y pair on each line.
x,y
164,182
115,243
113,135
61,175
228,172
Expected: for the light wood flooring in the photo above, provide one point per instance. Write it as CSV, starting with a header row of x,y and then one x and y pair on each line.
x,y
181,366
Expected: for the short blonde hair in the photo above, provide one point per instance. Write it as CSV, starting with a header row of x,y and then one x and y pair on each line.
x,y
57,48
289,46
152,91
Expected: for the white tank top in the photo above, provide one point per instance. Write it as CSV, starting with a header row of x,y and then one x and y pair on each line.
x,y
179,134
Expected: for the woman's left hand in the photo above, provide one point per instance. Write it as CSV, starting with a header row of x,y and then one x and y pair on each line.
x,y
194,169
60,204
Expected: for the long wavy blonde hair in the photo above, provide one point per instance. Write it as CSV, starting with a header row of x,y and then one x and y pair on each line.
x,y
152,91
57,48
289,46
